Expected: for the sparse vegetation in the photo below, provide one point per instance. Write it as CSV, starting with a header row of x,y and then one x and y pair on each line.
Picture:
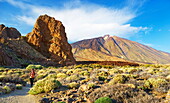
x,y
93,81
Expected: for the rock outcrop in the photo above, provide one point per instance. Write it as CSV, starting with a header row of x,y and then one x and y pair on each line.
x,y
5,59
49,38
6,32
46,45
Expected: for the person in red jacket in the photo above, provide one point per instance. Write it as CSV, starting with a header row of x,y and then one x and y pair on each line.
x,y
32,76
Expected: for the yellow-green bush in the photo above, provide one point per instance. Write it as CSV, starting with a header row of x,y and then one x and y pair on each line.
x,y
103,73
118,79
73,85
132,70
44,85
85,80
42,71
91,85
61,75
85,73
31,66
69,72
154,82
18,86
52,76
153,70
7,88
77,70
73,78
113,71
40,76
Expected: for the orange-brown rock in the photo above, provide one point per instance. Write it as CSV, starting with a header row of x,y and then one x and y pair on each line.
x,y
49,38
6,32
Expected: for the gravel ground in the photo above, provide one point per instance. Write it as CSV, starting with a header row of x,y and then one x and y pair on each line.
x,y
19,96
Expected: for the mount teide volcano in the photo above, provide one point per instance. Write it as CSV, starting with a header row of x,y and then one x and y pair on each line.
x,y
113,48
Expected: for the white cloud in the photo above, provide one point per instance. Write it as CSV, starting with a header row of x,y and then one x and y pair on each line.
x,y
85,21
17,4
26,19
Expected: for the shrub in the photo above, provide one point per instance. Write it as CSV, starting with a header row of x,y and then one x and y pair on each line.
x,y
85,73
118,79
51,67
103,100
44,85
18,86
40,76
31,66
61,102
102,78
69,72
51,84
52,76
155,83
84,80
73,85
72,78
121,93
168,77
7,88
91,85
131,70
61,75
12,79
102,73
113,71
77,70
79,66
42,71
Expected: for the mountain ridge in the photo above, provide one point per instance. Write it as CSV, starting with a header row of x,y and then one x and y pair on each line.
x,y
113,48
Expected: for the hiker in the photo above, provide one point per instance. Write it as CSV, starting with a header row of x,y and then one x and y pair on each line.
x,y
32,76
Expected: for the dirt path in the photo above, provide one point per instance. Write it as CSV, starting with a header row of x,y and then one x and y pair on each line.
x,y
19,96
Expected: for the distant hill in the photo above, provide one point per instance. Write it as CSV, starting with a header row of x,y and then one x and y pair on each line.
x,y
113,48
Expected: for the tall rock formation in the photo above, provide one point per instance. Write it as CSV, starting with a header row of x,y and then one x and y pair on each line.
x,y
113,48
49,38
6,32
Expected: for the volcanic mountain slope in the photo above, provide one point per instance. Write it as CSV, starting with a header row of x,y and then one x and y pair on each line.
x,y
113,48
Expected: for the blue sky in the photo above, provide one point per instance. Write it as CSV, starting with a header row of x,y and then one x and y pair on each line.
x,y
143,21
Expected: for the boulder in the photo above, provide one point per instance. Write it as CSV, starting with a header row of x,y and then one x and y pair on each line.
x,y
49,38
